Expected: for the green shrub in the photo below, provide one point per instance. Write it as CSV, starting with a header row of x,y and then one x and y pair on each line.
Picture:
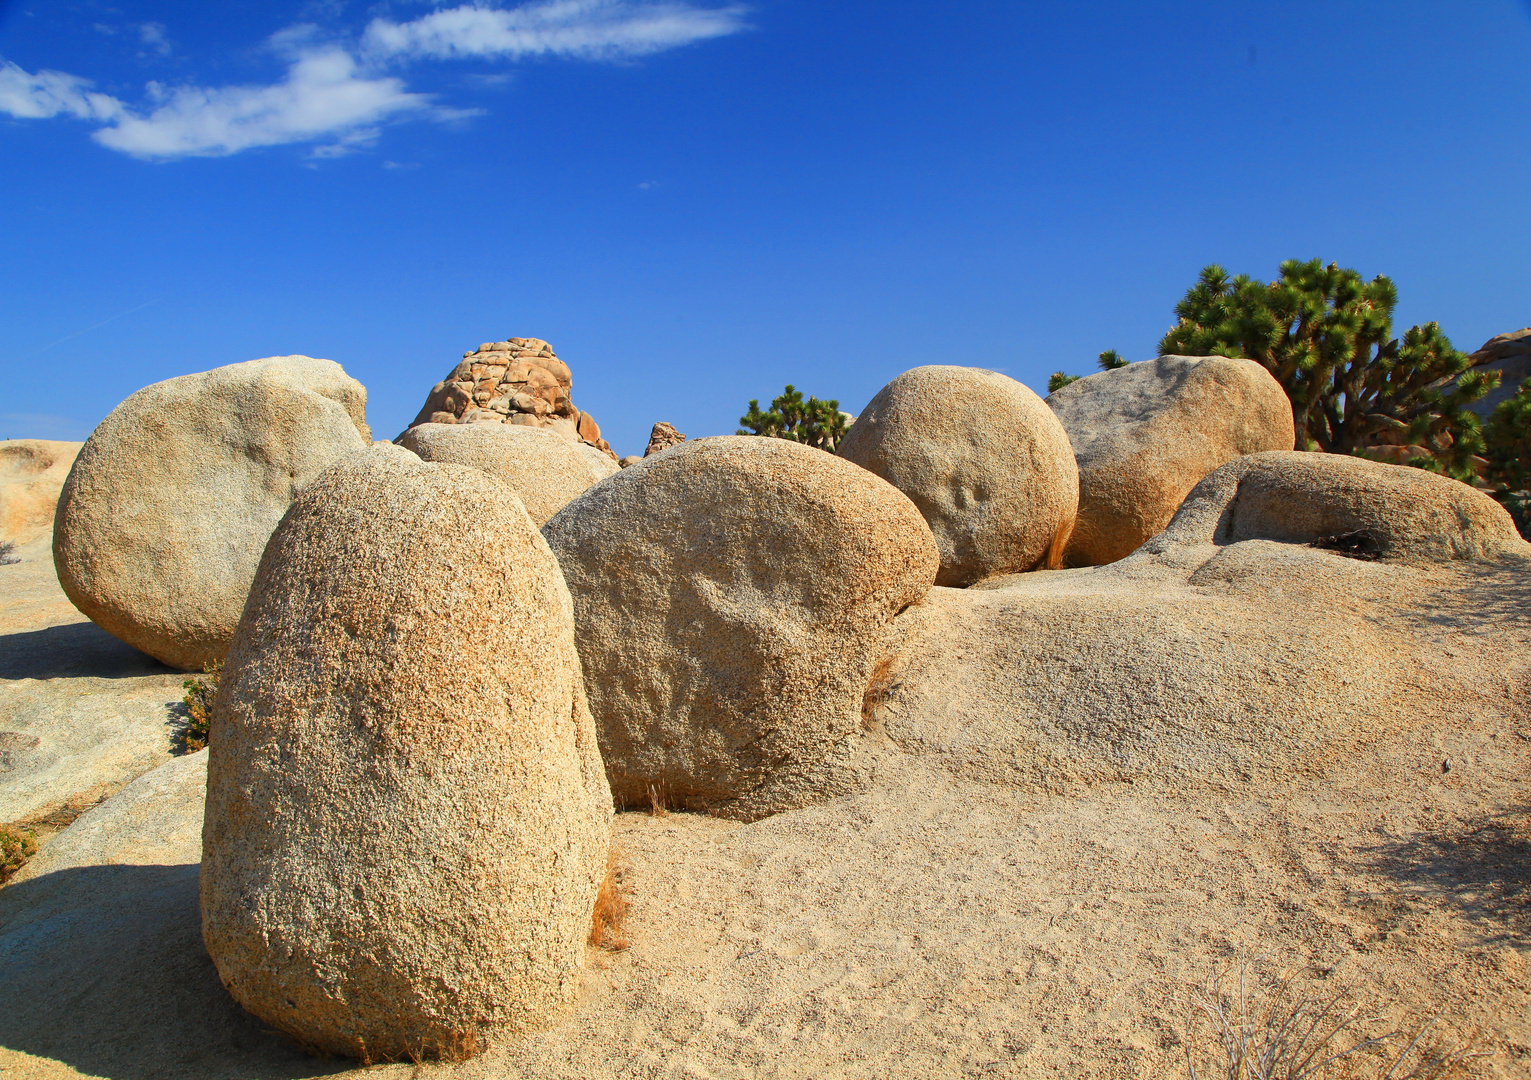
x,y
813,422
200,692
16,847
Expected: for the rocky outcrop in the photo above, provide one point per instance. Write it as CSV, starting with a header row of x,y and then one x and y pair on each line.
x,y
729,629
1366,509
32,472
1145,434
663,437
516,381
544,471
168,506
406,815
983,458
1508,354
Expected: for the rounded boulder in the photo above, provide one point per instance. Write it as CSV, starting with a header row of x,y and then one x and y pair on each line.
x,y
1349,505
1145,434
983,458
169,504
407,821
544,469
729,629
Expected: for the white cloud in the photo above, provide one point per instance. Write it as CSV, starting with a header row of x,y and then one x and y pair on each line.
x,y
335,96
324,96
52,93
585,29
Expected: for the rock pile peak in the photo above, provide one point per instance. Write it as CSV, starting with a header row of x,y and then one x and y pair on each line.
x,y
515,381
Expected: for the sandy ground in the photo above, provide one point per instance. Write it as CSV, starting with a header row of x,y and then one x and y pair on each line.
x,y
1032,905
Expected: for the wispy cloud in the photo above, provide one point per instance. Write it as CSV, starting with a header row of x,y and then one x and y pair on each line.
x,y
583,29
52,93
338,95
153,36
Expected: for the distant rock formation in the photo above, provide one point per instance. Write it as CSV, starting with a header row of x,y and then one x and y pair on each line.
x,y
31,473
663,437
516,381
1508,354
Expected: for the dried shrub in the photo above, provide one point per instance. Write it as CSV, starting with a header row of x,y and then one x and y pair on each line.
x,y
1267,1027
16,847
608,923
8,553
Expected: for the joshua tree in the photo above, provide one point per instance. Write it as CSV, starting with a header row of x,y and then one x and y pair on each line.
x,y
1326,336
817,423
1509,456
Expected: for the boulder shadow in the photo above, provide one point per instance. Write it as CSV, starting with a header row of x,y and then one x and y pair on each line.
x,y
103,968
1482,868
73,650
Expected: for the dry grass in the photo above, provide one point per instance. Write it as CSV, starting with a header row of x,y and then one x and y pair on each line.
x,y
878,689
608,923
657,807
1266,1027
1052,558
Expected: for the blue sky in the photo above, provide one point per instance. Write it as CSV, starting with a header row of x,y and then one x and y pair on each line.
x,y
697,202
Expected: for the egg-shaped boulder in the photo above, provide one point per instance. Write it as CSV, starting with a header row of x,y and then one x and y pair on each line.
x,y
983,458
407,821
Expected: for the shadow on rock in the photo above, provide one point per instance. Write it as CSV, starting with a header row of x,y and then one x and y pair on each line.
x,y
103,968
74,650
1482,868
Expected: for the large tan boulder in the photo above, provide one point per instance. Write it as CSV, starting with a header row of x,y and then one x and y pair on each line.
x,y
516,381
544,470
1510,356
730,626
1144,435
407,820
168,506
1366,509
982,457
32,472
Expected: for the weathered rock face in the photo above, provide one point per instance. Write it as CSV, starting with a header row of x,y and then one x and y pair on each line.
x,y
516,381
730,627
983,458
663,437
1510,355
1363,508
406,816
544,471
32,472
170,503
1145,434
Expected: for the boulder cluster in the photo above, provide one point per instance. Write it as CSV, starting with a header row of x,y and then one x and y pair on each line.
x,y
516,381
447,658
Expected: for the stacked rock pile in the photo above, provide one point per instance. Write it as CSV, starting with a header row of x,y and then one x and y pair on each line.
x,y
516,381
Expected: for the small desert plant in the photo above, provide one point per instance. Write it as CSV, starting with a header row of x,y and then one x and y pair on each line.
x,y
608,923
200,692
1268,1028
16,847
8,553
